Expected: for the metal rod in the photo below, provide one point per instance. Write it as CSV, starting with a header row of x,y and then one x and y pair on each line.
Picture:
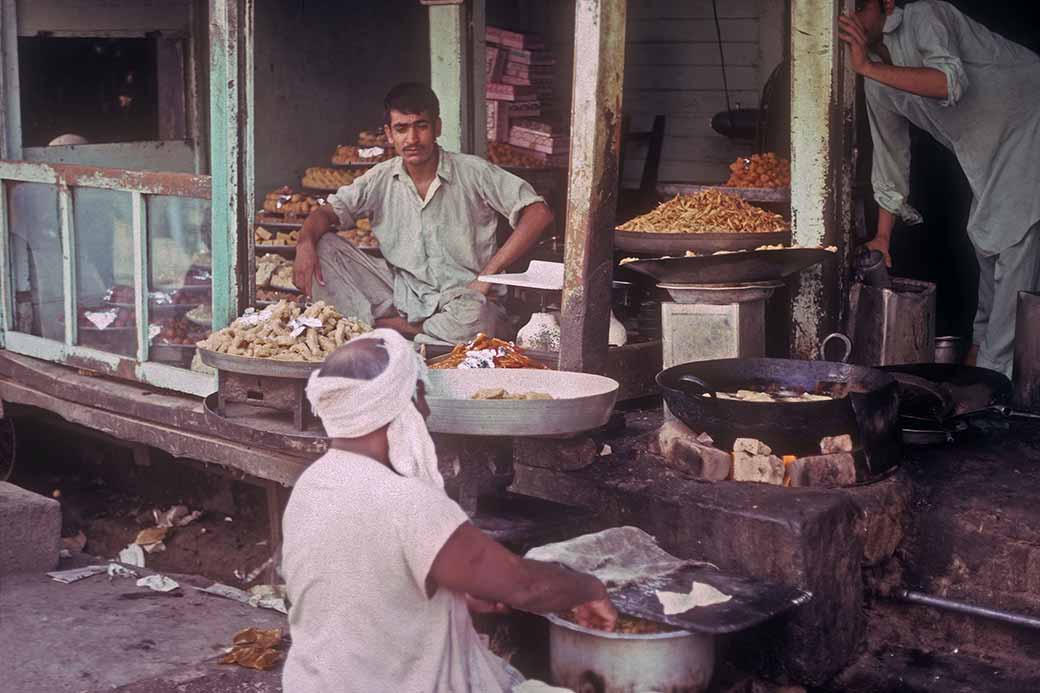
x,y
970,609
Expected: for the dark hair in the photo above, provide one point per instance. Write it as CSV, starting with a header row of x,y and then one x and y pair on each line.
x,y
361,359
413,98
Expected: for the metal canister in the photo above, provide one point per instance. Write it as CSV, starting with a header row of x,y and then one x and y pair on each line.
x,y
600,662
894,325
949,349
1026,374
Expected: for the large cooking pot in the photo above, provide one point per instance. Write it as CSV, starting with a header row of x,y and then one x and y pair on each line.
x,y
865,405
592,661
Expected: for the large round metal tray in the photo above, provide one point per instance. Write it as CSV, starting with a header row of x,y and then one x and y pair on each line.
x,y
300,370
583,402
730,268
667,243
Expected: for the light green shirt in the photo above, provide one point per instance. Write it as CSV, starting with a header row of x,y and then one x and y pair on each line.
x,y
990,120
440,243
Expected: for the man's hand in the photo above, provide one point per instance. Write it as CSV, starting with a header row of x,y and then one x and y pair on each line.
x,y
851,31
597,615
479,286
307,267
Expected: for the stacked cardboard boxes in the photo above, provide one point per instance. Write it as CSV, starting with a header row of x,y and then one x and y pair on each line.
x,y
519,92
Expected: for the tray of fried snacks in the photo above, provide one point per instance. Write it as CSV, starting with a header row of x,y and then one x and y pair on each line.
x,y
294,336
267,297
517,401
361,236
274,272
485,352
289,204
372,147
328,179
759,171
275,240
705,221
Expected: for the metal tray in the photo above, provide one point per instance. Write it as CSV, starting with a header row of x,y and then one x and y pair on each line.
x,y
179,354
160,310
273,222
358,166
299,370
669,190
667,243
287,250
583,402
730,268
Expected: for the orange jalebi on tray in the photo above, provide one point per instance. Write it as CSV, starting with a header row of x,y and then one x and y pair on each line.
x,y
486,352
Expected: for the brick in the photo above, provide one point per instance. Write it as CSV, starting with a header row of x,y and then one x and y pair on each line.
x,y
684,451
838,469
767,469
30,531
751,446
832,444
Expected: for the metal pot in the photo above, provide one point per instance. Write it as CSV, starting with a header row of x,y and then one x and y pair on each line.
x,y
949,349
866,406
591,661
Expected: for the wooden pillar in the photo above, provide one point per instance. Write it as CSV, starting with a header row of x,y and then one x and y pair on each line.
x,y
231,137
822,167
599,67
457,72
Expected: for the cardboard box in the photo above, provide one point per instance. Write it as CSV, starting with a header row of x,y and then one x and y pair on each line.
x,y
530,57
498,91
497,121
495,64
513,39
524,109
545,144
521,70
522,81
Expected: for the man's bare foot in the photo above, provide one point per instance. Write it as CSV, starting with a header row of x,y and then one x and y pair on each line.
x,y
400,324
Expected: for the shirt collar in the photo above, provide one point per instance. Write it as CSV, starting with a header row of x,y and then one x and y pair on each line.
x,y
445,166
894,20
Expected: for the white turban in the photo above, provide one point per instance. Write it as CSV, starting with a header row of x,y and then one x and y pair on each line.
x,y
350,408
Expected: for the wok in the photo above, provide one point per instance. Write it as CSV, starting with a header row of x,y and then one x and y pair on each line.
x,y
730,268
865,405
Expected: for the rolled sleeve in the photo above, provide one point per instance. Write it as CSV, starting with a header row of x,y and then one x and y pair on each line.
x,y
506,193
937,50
425,520
890,172
349,202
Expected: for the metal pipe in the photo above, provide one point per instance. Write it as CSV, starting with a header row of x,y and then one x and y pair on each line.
x,y
970,609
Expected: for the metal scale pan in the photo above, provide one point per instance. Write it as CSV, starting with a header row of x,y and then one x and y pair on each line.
x,y
668,243
730,268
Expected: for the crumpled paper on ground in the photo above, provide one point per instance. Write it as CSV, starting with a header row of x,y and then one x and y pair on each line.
x,y
255,648
158,583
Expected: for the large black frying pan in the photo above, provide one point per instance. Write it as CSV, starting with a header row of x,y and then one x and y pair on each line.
x,y
730,268
865,406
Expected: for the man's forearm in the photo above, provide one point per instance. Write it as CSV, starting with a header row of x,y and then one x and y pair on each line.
x,y
533,222
547,588
923,81
886,222
317,224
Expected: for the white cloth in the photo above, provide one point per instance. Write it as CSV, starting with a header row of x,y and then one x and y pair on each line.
x,y
350,408
359,542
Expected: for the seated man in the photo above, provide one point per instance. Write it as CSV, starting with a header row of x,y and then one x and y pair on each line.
x,y
434,214
380,564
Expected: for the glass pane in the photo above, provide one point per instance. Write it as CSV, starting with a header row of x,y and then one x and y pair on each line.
x,y
180,278
36,271
104,270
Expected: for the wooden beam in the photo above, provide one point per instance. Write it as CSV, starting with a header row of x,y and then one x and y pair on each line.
x,y
454,32
592,190
822,166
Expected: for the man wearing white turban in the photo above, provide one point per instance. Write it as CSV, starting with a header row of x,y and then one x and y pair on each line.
x,y
380,565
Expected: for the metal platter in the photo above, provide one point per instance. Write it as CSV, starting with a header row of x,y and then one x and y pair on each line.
x,y
286,250
582,402
720,294
279,222
299,370
669,190
264,427
730,268
357,166
177,354
668,243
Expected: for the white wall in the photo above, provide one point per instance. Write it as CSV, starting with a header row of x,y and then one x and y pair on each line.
x,y
672,68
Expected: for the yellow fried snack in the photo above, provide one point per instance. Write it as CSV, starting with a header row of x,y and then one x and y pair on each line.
x,y
709,211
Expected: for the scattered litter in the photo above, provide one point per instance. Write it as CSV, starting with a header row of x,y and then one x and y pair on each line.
x,y
115,570
262,543
227,519
607,450
269,597
151,539
255,648
260,597
75,574
158,583
132,555
74,544
176,516
252,575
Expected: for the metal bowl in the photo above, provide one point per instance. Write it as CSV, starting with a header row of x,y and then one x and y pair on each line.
x,y
581,659
582,402
668,243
